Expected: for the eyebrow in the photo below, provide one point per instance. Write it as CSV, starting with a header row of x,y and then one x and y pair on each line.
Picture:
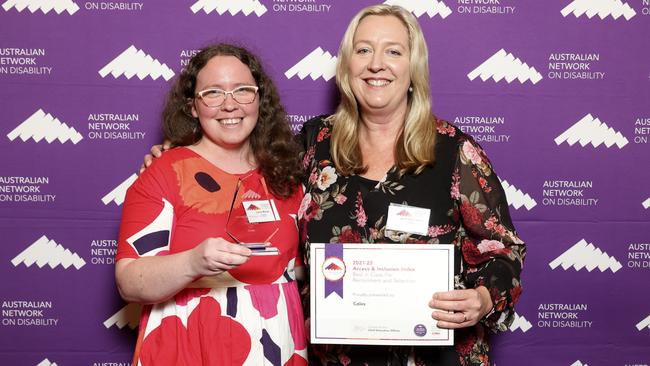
x,y
390,43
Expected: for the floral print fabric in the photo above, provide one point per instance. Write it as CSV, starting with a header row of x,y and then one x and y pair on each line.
x,y
468,209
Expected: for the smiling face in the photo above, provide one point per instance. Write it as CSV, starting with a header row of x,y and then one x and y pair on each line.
x,y
229,125
379,65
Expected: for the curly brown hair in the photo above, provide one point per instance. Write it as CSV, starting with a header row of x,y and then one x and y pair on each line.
x,y
271,140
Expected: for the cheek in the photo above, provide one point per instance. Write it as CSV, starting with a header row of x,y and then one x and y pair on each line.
x,y
252,110
405,71
200,111
355,67
355,81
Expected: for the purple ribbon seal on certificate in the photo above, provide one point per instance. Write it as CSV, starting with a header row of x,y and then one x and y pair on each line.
x,y
334,269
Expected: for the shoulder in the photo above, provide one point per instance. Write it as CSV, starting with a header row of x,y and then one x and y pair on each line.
x,y
313,130
448,131
469,152
163,168
169,158
453,136
449,136
453,141
316,124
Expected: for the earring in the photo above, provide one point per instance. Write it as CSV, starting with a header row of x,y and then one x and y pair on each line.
x,y
410,89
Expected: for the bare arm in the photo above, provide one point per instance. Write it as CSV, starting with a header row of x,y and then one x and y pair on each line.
x,y
155,279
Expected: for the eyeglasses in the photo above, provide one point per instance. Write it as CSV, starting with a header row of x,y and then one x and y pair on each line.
x,y
215,97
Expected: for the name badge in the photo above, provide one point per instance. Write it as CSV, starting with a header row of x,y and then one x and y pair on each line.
x,y
408,219
261,211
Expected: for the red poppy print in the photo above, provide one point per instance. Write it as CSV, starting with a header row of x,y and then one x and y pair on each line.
x,y
173,344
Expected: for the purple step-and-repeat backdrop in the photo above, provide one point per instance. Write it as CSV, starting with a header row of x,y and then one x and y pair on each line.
x,y
556,91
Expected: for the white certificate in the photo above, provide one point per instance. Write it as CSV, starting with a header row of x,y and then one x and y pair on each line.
x,y
378,293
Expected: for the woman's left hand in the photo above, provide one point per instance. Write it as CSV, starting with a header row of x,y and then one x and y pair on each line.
x,y
467,307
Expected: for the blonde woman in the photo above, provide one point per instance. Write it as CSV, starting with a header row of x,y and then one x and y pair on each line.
x,y
383,146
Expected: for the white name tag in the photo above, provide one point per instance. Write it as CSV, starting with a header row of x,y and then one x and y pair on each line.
x,y
408,219
261,211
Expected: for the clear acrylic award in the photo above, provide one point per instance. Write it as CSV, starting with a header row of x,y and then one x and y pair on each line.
x,y
253,218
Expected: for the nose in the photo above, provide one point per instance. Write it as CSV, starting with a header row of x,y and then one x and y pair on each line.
x,y
229,104
376,62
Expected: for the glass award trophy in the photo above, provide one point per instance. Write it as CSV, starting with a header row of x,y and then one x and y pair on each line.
x,y
253,218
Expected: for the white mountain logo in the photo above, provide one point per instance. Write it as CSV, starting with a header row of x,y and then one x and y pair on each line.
x,y
134,62
419,7
602,8
504,65
645,323
516,198
59,6
46,362
591,130
45,251
129,314
118,193
316,64
41,125
232,6
520,323
586,255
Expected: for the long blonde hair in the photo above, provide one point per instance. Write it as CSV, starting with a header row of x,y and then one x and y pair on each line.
x,y
414,147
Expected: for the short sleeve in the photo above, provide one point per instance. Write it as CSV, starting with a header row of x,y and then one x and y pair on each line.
x,y
493,253
148,213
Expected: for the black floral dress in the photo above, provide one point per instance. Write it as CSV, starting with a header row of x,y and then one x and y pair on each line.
x,y
468,209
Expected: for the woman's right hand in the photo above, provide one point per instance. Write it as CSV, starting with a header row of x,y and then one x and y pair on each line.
x,y
155,152
216,255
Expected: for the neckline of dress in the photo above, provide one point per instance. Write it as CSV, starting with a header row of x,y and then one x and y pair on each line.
x,y
249,172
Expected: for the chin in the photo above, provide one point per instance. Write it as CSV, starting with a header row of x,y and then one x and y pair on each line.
x,y
377,106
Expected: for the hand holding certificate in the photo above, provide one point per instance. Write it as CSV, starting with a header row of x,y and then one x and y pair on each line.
x,y
378,293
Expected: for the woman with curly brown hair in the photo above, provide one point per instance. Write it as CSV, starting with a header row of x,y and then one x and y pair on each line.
x,y
212,300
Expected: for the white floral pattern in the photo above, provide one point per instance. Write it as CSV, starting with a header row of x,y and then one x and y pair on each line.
x,y
326,178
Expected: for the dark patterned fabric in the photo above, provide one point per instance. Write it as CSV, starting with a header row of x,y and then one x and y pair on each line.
x,y
468,209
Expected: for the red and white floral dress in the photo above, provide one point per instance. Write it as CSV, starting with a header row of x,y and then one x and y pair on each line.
x,y
250,315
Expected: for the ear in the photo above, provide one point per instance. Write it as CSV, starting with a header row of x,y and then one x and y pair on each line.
x,y
193,108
